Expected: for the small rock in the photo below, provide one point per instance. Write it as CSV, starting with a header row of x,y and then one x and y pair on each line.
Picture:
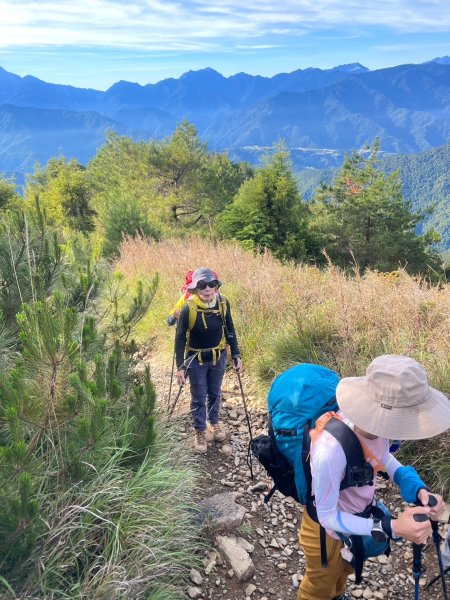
x,y
258,487
227,450
194,592
357,593
236,558
250,589
245,545
196,577
222,511
295,581
227,483
367,593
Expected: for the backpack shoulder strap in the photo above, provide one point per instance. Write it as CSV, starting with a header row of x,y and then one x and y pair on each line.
x,y
222,306
192,313
358,471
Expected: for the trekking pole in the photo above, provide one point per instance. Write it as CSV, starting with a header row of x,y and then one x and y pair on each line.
x,y
171,321
172,408
417,554
187,364
437,539
417,560
244,403
171,379
249,462
433,581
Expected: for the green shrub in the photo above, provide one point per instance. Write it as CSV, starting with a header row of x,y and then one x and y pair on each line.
x,y
126,217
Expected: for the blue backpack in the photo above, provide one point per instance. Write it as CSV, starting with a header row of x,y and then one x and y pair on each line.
x,y
297,398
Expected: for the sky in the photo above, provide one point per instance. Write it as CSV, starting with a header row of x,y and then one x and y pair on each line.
x,y
94,43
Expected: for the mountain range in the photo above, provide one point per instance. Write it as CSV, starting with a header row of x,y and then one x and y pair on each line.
x,y
320,114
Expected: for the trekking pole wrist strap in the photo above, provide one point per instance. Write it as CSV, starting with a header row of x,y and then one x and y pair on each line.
x,y
386,524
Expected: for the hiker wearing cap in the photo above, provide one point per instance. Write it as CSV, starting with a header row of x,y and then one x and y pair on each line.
x,y
205,327
392,401
185,294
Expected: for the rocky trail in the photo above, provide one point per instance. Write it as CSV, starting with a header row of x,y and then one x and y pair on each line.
x,y
254,551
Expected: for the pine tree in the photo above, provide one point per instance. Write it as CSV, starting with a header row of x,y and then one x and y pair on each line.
x,y
67,402
362,217
269,213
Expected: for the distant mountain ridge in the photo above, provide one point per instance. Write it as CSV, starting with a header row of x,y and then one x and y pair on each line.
x,y
407,107
237,90
320,114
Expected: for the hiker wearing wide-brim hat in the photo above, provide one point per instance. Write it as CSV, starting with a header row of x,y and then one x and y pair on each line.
x,y
205,328
393,400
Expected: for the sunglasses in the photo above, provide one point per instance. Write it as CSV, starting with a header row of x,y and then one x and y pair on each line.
x,y
202,285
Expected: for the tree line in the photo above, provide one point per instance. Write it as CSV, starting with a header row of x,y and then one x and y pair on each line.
x,y
176,187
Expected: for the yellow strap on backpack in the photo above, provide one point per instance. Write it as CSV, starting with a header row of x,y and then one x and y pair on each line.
x,y
195,305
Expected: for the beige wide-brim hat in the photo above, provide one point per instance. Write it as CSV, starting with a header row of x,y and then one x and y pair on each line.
x,y
394,400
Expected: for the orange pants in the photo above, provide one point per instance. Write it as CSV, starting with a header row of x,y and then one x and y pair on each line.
x,y
321,583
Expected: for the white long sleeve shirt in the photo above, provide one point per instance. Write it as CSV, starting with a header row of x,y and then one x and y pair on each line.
x,y
336,509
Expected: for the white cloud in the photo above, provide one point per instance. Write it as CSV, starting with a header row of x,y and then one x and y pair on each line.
x,y
203,25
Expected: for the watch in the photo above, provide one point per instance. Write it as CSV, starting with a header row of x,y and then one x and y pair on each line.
x,y
378,533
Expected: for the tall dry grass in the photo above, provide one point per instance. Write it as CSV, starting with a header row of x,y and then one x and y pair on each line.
x,y
344,320
286,314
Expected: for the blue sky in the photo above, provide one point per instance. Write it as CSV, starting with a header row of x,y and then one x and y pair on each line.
x,y
94,43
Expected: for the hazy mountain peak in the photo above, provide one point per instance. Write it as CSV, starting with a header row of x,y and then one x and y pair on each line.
x,y
442,60
207,72
124,84
352,68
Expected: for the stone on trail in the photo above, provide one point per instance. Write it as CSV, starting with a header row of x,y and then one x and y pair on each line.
x,y
242,542
250,589
236,557
196,577
258,487
222,511
227,450
194,592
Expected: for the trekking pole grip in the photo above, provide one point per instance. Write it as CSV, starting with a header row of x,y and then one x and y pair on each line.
x,y
432,500
420,518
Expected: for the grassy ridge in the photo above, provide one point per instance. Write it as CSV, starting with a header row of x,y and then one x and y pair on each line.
x,y
285,314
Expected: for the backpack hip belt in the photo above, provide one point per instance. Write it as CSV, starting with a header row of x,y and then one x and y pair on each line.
x,y
216,352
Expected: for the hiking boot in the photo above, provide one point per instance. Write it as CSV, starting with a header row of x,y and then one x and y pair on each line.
x,y
200,441
218,432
